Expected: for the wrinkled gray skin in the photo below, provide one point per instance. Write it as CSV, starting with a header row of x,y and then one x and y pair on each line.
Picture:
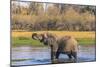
x,y
65,45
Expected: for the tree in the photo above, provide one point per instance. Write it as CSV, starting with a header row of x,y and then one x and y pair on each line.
x,y
35,7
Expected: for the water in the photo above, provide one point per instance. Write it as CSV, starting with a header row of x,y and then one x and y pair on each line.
x,y
27,55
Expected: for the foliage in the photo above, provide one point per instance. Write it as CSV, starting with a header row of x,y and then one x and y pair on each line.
x,y
45,16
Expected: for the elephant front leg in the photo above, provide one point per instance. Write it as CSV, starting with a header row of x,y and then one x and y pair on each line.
x,y
52,55
53,58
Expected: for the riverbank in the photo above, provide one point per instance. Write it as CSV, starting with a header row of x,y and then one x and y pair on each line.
x,y
25,41
23,38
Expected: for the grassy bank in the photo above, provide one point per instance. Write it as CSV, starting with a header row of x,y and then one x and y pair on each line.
x,y
23,38
86,41
25,41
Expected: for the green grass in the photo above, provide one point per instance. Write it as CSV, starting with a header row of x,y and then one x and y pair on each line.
x,y
25,41
86,41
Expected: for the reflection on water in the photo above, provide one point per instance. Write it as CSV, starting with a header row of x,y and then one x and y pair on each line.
x,y
41,55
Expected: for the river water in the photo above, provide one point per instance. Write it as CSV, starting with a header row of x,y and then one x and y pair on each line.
x,y
28,55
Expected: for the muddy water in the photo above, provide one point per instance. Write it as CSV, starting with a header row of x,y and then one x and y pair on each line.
x,y
27,55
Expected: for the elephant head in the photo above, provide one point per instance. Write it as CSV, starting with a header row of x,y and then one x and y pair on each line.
x,y
45,38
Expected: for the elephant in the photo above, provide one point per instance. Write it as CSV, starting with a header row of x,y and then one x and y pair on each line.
x,y
65,45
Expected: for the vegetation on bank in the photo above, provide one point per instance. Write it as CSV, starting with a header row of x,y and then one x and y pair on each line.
x,y
23,41
75,34
24,38
50,16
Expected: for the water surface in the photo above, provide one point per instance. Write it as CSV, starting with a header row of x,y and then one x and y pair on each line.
x,y
28,55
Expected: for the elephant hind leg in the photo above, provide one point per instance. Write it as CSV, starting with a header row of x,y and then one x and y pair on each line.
x,y
74,54
69,55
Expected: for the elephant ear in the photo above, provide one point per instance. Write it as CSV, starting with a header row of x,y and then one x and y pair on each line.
x,y
45,35
34,36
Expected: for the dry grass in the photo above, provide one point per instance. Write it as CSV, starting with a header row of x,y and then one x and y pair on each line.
x,y
58,33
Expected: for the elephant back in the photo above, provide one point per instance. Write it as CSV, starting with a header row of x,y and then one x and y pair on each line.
x,y
67,44
71,45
